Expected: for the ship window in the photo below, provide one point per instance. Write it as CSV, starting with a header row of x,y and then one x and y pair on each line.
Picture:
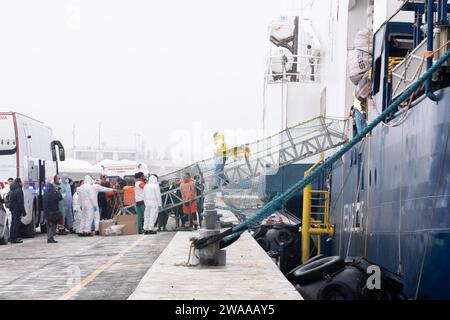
x,y
377,76
362,179
375,176
370,178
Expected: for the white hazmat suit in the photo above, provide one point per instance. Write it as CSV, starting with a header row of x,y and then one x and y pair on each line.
x,y
87,205
152,200
76,212
88,198
96,188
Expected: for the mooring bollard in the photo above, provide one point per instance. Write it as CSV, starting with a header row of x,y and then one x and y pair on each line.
x,y
211,255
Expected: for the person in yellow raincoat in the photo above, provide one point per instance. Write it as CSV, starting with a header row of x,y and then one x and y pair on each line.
x,y
220,158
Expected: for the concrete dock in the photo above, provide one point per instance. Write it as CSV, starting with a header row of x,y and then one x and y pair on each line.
x,y
136,267
248,275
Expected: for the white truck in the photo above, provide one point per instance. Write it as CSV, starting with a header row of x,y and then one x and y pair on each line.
x,y
28,151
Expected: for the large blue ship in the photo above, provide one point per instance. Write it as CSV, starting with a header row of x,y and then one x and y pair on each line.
x,y
391,194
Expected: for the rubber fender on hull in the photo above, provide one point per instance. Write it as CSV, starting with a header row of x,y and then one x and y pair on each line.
x,y
336,290
285,237
392,280
264,243
316,270
260,232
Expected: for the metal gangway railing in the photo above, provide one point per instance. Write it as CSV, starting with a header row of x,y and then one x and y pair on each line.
x,y
263,157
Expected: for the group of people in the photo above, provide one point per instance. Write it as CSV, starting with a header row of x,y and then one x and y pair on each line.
x,y
155,202
12,202
78,206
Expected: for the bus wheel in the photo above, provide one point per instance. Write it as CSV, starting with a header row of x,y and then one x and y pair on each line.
x,y
5,238
29,231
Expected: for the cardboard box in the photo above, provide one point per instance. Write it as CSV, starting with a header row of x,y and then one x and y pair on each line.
x,y
131,223
104,224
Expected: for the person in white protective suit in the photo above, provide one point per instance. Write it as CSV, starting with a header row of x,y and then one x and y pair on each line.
x,y
153,201
88,194
96,188
76,212
87,207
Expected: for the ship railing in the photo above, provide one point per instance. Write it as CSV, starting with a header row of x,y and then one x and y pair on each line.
x,y
303,68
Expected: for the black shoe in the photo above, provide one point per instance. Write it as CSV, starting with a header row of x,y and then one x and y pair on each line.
x,y
151,232
52,241
215,187
17,241
97,233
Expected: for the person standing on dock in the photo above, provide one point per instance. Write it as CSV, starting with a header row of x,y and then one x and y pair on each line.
x,y
17,208
76,207
220,158
68,203
176,200
52,210
129,197
96,189
189,195
163,216
200,191
61,228
139,195
152,199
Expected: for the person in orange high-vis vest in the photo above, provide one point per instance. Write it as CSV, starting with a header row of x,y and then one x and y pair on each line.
x,y
129,196
189,193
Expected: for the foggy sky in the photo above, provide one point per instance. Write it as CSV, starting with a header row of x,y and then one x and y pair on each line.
x,y
138,66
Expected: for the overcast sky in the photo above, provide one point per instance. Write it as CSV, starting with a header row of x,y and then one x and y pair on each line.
x,y
153,68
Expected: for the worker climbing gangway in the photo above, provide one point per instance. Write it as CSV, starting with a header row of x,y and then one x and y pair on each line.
x,y
263,157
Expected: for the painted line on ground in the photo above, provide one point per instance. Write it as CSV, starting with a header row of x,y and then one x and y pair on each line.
x,y
74,291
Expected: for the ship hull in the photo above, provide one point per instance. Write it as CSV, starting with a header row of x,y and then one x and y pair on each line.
x,y
390,200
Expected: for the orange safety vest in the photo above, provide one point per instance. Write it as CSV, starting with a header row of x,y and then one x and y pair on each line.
x,y
189,192
129,196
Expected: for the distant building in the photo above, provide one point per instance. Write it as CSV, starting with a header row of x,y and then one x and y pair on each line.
x,y
95,155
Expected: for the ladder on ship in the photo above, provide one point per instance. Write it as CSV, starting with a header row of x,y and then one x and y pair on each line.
x,y
263,157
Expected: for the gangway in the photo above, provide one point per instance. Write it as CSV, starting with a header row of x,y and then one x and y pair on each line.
x,y
263,157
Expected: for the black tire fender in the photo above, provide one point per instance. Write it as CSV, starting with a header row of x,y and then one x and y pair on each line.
x,y
315,258
290,275
260,232
336,291
316,270
284,236
264,243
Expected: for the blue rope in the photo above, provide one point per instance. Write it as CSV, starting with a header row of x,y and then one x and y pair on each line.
x,y
277,201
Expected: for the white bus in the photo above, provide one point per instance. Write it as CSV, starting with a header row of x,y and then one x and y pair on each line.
x,y
28,151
